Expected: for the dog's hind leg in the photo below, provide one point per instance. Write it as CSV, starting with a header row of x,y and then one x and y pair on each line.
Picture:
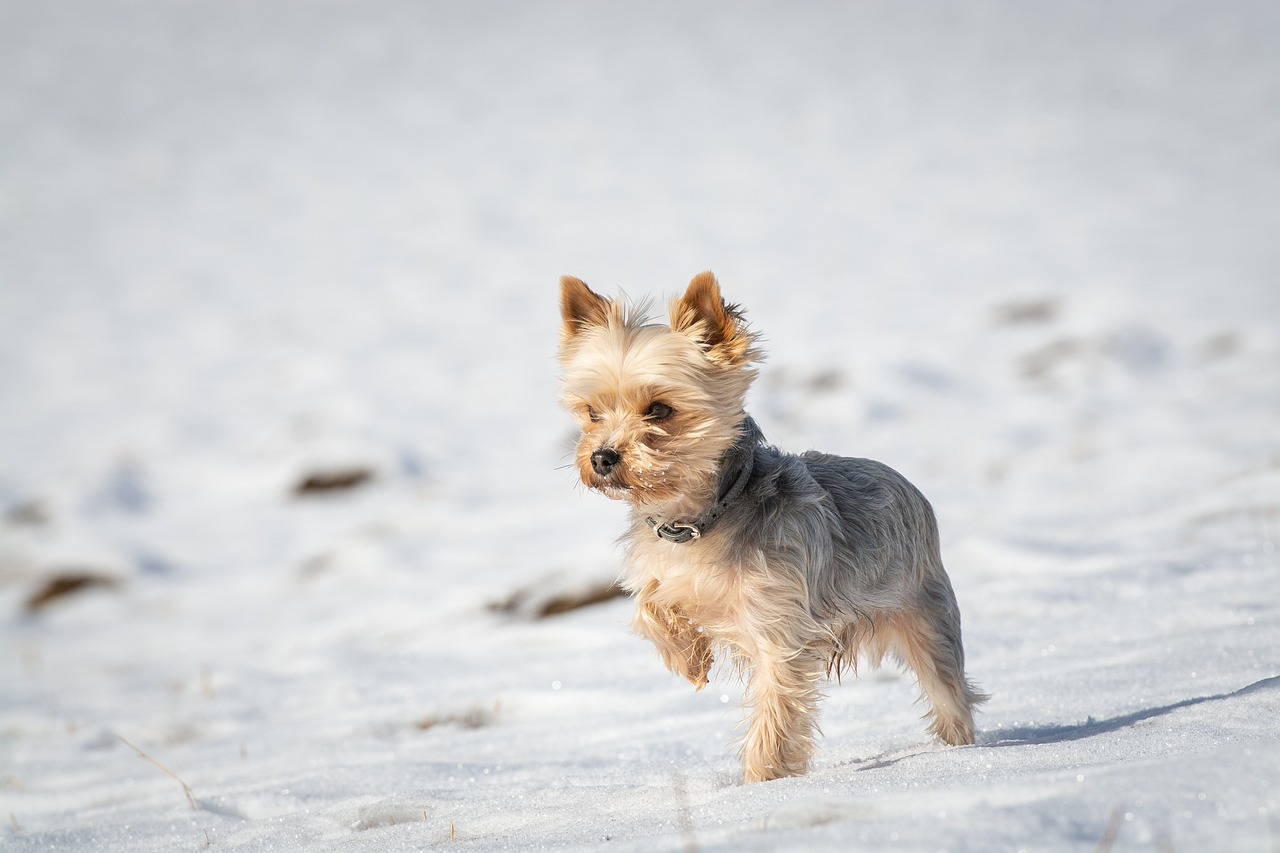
x,y
927,639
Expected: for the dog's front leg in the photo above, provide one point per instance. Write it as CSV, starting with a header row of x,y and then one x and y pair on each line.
x,y
685,650
783,690
784,707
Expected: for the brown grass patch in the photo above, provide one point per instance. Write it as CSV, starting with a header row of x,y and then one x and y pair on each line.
x,y
475,717
67,582
334,480
540,602
1027,311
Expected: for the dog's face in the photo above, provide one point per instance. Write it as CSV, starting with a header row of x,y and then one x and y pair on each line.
x,y
658,406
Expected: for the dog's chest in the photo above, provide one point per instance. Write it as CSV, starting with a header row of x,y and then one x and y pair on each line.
x,y
687,577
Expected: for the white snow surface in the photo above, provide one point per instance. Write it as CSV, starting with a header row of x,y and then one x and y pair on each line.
x,y
1026,253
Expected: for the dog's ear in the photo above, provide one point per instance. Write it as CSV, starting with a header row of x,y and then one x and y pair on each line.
x,y
717,326
581,309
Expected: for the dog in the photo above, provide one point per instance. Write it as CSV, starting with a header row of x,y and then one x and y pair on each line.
x,y
790,567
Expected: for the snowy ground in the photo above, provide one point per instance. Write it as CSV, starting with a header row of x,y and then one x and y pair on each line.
x,y
1026,253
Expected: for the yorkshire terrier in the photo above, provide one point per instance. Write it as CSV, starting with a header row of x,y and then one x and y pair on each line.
x,y
789,566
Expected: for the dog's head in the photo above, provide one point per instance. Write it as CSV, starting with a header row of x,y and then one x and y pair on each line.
x,y
658,405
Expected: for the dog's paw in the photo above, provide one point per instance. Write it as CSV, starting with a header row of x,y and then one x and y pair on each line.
x,y
692,663
701,659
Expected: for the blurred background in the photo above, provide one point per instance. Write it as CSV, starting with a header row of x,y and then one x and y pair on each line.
x,y
278,302
251,237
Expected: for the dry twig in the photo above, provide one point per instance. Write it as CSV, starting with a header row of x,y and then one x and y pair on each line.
x,y
186,789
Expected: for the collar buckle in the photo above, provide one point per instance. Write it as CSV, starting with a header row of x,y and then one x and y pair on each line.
x,y
675,531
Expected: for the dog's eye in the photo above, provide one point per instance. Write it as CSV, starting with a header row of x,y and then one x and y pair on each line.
x,y
659,412
593,414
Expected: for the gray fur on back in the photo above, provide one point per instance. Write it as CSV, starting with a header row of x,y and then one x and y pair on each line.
x,y
864,534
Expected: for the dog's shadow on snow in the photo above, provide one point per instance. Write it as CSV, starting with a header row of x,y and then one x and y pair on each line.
x,y
1027,735
1054,733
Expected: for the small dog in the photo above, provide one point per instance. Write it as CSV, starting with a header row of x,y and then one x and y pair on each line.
x,y
792,566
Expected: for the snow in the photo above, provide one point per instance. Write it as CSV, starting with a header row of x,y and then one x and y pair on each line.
x,y
1025,253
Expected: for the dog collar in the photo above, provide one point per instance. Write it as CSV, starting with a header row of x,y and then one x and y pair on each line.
x,y
680,531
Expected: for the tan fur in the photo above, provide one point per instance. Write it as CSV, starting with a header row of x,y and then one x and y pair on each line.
x,y
581,309
759,617
777,587
618,366
716,325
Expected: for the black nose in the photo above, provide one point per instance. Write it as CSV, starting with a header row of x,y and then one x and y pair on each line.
x,y
605,460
